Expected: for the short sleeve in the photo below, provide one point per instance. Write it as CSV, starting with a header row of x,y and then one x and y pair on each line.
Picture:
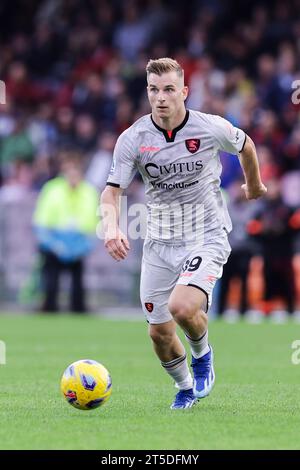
x,y
123,166
229,138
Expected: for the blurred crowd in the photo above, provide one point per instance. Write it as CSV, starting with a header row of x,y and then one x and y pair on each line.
x,y
74,72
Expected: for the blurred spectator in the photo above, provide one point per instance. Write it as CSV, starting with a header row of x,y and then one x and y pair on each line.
x,y
7,119
134,32
99,166
17,145
91,98
64,127
237,266
275,226
41,129
85,133
22,89
16,148
268,132
65,223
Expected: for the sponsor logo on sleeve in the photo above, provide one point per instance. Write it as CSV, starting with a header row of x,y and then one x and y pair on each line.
x,y
113,167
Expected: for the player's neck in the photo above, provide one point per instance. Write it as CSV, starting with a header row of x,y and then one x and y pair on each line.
x,y
170,123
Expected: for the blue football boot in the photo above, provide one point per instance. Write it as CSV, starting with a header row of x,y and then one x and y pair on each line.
x,y
184,399
204,375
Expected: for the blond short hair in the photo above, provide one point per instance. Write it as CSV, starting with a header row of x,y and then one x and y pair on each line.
x,y
70,156
164,65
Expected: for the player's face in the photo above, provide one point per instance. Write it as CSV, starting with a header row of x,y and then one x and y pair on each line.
x,y
166,94
72,173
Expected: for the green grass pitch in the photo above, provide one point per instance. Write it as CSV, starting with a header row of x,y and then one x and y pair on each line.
x,y
255,403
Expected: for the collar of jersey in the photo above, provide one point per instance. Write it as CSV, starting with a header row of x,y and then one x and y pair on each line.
x,y
171,138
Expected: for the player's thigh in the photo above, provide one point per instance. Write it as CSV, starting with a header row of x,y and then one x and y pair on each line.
x,y
186,299
202,267
157,283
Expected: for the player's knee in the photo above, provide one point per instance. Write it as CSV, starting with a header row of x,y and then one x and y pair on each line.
x,y
182,310
160,336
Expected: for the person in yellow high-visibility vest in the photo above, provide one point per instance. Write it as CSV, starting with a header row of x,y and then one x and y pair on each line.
x,y
65,223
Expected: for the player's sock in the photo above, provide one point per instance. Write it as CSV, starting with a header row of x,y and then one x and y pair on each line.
x,y
199,347
178,369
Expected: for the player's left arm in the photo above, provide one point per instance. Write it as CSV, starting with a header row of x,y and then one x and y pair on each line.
x,y
253,187
234,141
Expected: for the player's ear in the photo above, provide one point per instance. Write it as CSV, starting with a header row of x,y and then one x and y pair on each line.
x,y
185,92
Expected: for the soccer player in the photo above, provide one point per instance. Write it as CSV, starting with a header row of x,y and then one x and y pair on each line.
x,y
177,153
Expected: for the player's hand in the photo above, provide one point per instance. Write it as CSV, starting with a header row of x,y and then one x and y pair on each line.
x,y
254,192
117,245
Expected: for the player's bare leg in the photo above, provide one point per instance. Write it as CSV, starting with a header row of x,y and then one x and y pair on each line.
x,y
187,305
172,355
166,343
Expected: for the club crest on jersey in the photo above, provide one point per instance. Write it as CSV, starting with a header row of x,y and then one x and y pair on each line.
x,y
192,145
149,306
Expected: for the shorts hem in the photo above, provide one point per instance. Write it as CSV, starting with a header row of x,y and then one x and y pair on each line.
x,y
157,322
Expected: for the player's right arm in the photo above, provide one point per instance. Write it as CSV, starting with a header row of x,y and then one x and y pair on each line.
x,y
121,174
115,241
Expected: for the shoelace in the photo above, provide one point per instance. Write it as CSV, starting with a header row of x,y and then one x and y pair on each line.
x,y
201,368
181,395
